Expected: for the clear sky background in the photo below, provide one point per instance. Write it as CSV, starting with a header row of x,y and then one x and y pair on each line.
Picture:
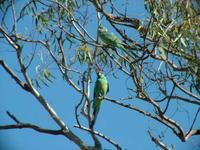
x,y
127,128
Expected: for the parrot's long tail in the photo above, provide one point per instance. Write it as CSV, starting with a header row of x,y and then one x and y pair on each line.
x,y
95,113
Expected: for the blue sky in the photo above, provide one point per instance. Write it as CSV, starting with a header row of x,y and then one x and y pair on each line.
x,y
126,127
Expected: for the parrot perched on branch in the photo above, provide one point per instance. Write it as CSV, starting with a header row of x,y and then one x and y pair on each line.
x,y
101,88
110,39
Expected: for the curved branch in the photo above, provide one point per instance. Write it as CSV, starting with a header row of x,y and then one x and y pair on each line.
x,y
174,126
14,76
184,90
192,131
100,135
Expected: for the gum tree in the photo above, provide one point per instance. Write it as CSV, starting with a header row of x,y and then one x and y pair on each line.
x,y
158,55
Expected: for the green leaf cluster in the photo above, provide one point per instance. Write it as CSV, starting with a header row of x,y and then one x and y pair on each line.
x,y
44,76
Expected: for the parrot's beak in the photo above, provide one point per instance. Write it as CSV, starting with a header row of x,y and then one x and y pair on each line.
x,y
100,29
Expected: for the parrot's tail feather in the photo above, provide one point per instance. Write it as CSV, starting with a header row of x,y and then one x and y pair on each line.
x,y
92,124
95,113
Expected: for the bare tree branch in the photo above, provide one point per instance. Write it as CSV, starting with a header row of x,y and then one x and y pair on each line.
x,y
174,126
157,142
31,126
118,147
14,76
192,131
20,125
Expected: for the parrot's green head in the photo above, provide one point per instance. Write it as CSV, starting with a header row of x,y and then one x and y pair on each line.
x,y
99,74
103,29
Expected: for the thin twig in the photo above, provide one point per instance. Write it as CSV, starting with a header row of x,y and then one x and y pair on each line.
x,y
80,102
169,98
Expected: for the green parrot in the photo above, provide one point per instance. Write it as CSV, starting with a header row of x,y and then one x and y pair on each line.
x,y
101,88
110,39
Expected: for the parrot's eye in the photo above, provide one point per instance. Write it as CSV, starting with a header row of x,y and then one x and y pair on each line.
x,y
99,74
